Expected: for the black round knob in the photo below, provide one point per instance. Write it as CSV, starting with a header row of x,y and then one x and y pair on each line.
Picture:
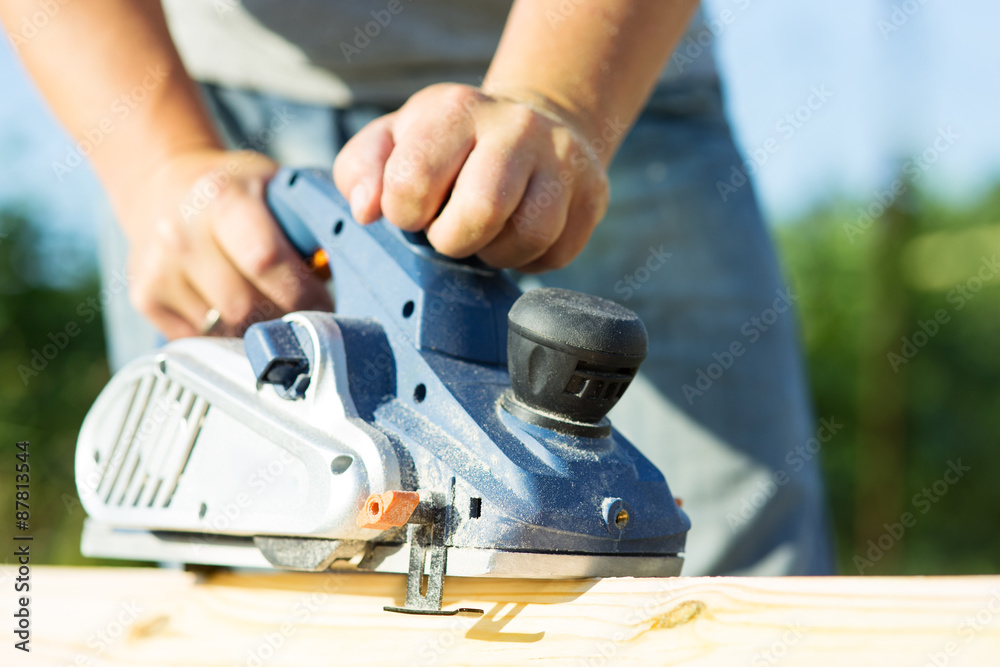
x,y
571,356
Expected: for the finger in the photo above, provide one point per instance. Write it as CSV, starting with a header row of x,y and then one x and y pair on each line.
x,y
254,243
422,168
535,225
189,304
172,305
486,194
169,323
224,288
588,207
359,167
158,289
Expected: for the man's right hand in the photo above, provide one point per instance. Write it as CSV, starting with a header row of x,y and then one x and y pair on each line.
x,y
202,237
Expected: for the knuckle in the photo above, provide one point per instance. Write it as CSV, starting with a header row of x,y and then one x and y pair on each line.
x,y
229,201
248,236
535,233
532,244
408,185
211,192
142,297
261,257
236,309
171,233
458,99
483,214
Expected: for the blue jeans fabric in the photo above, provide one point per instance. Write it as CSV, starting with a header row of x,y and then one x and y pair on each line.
x,y
721,404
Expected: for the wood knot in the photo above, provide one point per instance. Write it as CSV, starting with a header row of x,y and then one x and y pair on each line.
x,y
148,627
683,613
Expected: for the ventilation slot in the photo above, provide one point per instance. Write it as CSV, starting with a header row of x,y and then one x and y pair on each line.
x,y
154,446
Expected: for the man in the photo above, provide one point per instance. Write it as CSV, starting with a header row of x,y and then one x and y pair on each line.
x,y
510,161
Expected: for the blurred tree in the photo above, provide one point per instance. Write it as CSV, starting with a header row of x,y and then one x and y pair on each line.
x,y
881,447
902,332
52,366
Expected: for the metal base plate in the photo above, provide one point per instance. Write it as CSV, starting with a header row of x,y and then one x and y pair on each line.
x,y
102,540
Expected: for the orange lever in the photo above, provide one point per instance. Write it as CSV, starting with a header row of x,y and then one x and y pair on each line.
x,y
391,509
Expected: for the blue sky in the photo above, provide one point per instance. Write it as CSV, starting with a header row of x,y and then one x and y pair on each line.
x,y
893,91
893,88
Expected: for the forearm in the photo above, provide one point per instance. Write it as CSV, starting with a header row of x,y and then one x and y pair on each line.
x,y
596,60
109,69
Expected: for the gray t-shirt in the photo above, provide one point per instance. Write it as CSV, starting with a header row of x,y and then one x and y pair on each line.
x,y
344,52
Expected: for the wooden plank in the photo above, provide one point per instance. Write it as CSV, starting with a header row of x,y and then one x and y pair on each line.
x,y
101,617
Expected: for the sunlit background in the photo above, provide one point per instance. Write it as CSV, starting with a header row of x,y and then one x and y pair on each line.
x,y
912,102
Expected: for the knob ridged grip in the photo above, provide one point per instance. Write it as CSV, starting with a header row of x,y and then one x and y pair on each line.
x,y
571,356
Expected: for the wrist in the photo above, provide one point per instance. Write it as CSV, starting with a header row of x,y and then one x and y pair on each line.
x,y
588,125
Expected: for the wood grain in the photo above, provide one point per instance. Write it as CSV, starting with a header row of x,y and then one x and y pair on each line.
x,y
136,617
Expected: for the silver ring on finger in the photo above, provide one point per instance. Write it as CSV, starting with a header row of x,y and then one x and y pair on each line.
x,y
211,321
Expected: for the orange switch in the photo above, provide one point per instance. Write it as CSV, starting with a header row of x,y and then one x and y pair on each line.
x,y
320,264
388,510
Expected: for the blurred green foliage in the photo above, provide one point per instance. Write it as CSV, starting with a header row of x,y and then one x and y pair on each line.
x,y
44,400
865,287
901,323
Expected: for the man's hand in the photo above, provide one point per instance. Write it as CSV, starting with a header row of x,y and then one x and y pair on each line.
x,y
511,180
202,237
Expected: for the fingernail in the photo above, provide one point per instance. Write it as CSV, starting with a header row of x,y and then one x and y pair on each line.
x,y
359,201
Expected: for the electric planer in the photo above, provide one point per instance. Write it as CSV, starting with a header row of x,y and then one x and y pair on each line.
x,y
440,422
